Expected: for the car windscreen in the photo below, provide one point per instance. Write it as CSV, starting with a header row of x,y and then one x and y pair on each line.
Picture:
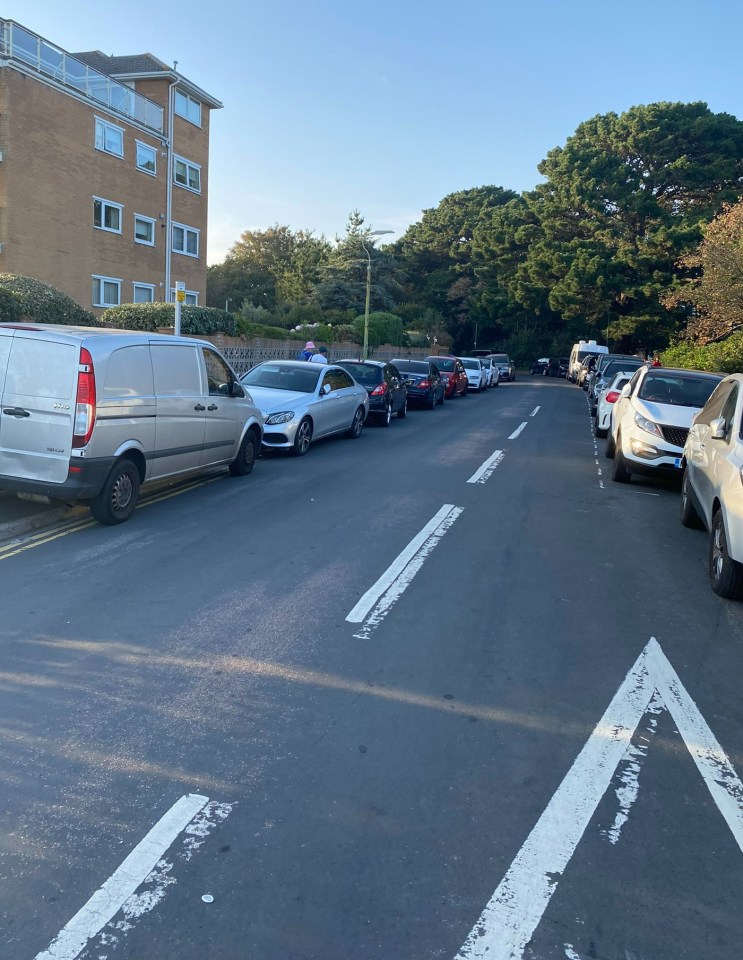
x,y
366,375
582,354
469,364
678,391
446,365
278,377
411,366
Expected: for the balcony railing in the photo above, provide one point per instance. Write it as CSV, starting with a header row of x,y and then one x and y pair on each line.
x,y
29,48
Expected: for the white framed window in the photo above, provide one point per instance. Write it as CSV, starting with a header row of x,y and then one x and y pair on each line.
x,y
107,215
187,174
144,230
185,240
188,108
109,137
192,297
146,158
106,291
144,292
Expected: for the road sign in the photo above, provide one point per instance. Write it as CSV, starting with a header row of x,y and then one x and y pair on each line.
x,y
510,918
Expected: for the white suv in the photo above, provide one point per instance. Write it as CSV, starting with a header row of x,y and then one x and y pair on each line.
x,y
712,488
651,419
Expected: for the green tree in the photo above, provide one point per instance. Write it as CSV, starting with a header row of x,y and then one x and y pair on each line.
x,y
343,286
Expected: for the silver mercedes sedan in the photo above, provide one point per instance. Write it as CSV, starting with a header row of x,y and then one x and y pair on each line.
x,y
301,402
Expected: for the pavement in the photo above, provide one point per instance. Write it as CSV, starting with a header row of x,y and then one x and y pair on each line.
x,y
20,515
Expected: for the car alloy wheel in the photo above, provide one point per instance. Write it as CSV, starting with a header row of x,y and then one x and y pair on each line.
x,y
725,575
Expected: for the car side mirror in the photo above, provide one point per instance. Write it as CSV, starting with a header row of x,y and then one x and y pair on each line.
x,y
626,391
718,428
236,389
326,388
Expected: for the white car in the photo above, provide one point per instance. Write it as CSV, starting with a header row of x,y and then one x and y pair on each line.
x,y
651,419
477,377
491,370
607,399
712,487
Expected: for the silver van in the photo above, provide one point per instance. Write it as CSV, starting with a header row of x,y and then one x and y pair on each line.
x,y
92,414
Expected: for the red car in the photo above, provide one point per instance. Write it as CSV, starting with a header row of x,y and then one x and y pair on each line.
x,y
453,374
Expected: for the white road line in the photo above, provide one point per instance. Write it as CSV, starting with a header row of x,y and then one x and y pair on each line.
x,y
107,901
518,430
535,411
483,472
515,909
378,599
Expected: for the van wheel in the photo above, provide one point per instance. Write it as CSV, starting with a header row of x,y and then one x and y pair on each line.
x,y
246,456
118,497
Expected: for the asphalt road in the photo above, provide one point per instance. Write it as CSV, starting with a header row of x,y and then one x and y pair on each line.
x,y
430,780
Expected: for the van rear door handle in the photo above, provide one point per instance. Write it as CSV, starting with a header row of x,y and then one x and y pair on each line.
x,y
16,412
199,406
212,406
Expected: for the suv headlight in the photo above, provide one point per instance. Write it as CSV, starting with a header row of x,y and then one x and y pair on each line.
x,y
284,417
649,426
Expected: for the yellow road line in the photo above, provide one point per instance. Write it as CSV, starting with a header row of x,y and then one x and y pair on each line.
x,y
73,526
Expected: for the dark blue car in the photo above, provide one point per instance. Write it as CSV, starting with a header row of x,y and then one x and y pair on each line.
x,y
423,380
385,385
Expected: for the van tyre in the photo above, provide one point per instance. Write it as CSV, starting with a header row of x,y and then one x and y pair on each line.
x,y
119,494
302,438
689,516
619,471
725,575
244,462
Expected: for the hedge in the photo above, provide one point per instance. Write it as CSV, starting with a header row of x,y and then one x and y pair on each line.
x,y
10,306
40,302
150,316
724,357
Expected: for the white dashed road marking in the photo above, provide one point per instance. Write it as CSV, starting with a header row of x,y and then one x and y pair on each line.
x,y
518,430
535,411
376,603
487,468
108,899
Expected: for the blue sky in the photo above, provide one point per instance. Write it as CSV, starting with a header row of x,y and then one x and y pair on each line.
x,y
331,105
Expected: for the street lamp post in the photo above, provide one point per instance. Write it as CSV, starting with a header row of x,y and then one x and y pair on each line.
x,y
227,303
374,233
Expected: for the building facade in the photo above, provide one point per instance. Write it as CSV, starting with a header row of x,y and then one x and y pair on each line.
x,y
103,172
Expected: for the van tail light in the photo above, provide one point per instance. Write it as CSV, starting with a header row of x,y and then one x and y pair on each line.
x,y
612,396
424,384
85,403
380,390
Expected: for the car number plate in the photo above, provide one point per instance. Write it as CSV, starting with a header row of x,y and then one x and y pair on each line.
x,y
677,462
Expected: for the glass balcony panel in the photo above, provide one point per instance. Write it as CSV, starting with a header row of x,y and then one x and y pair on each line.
x,y
51,61
25,46
76,74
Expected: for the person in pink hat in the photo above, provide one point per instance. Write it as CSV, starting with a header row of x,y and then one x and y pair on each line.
x,y
308,352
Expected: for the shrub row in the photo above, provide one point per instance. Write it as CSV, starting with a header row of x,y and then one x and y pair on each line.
x,y
41,303
150,316
724,357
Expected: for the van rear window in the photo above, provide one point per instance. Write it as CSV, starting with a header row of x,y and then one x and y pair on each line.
x,y
42,368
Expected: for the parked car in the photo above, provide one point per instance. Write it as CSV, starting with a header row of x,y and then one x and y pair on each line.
x,y
585,370
93,414
712,485
453,374
492,371
539,366
607,399
605,371
423,380
651,419
302,402
477,376
506,367
562,370
385,385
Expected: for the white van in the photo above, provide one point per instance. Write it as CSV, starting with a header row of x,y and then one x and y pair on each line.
x,y
92,414
581,350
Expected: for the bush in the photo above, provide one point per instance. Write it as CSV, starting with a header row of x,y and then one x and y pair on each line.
x,y
246,329
40,302
724,357
199,321
10,306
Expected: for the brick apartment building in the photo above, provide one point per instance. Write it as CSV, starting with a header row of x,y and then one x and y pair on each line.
x,y
103,172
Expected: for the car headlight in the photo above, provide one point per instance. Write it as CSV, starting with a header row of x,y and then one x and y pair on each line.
x,y
284,417
649,426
